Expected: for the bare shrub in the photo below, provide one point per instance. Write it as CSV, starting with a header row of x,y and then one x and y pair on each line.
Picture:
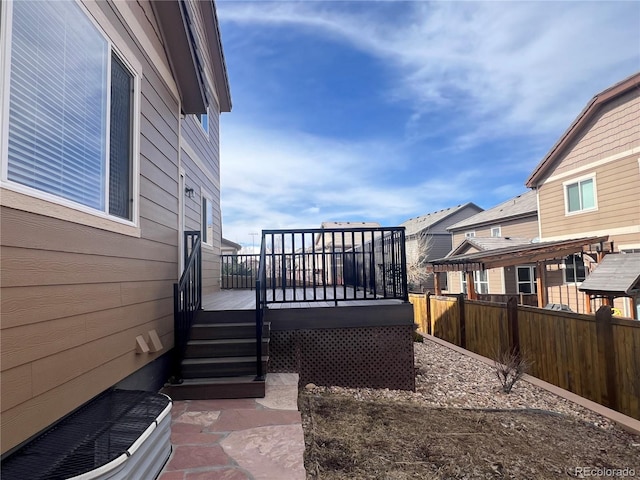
x,y
417,260
509,367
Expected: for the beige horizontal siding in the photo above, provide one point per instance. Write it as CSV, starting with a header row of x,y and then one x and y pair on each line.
x,y
74,297
518,228
613,130
618,201
36,413
495,276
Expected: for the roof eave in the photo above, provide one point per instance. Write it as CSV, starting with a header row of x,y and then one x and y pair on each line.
x,y
485,223
217,56
181,54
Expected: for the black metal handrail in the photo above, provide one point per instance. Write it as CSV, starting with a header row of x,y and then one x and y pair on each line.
x,y
261,305
319,265
239,271
187,300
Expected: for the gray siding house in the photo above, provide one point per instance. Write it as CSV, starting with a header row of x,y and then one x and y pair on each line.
x,y
433,229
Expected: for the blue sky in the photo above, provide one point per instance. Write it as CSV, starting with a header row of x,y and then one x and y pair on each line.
x,y
381,111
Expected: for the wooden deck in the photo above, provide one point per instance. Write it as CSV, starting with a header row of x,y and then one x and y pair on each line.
x,y
246,299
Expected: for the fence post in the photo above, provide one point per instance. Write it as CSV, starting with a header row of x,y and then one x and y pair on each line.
x,y
512,320
427,310
606,359
461,317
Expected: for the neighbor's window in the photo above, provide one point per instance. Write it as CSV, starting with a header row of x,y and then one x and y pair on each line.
x,y
580,195
495,232
469,234
574,269
480,281
526,279
207,221
70,109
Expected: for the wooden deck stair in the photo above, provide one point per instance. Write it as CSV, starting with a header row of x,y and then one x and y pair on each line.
x,y
220,360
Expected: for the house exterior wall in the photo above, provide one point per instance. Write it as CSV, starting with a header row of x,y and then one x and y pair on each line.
x,y
440,242
526,227
77,289
495,281
501,280
607,149
618,203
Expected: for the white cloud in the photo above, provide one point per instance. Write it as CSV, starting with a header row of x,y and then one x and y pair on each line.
x,y
272,179
517,65
467,72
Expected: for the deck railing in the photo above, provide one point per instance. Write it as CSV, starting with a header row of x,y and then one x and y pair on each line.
x,y
187,299
320,265
239,271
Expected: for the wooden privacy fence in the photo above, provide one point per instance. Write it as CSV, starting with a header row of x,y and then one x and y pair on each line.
x,y
594,356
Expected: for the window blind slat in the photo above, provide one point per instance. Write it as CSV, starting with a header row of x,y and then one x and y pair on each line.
x,y
57,117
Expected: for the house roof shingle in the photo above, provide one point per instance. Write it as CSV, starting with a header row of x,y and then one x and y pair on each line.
x,y
417,224
484,244
521,205
616,273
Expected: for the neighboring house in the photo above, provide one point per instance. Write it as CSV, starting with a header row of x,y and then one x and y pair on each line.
x,y
227,247
335,242
511,223
589,185
430,232
110,150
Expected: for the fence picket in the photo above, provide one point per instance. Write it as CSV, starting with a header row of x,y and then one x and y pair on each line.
x,y
594,356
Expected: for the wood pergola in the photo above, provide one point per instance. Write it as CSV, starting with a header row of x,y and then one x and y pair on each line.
x,y
533,253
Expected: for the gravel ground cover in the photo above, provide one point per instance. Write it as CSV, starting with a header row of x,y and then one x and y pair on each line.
x,y
458,424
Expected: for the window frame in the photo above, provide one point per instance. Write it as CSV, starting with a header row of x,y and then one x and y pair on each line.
x,y
576,279
499,229
532,280
477,282
15,194
205,200
578,181
470,234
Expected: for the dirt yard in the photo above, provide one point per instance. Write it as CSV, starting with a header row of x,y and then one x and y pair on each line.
x,y
363,434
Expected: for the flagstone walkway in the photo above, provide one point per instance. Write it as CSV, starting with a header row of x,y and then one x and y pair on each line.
x,y
243,439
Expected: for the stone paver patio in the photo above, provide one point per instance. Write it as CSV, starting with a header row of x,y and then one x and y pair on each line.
x,y
243,439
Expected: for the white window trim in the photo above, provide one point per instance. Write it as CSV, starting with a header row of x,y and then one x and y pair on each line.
x,y
470,234
463,280
591,176
532,282
628,247
204,130
21,197
203,225
499,228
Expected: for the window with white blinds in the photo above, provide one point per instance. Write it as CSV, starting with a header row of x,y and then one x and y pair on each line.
x,y
64,137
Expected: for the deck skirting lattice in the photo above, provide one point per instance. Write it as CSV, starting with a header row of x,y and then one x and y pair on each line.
x,y
367,357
